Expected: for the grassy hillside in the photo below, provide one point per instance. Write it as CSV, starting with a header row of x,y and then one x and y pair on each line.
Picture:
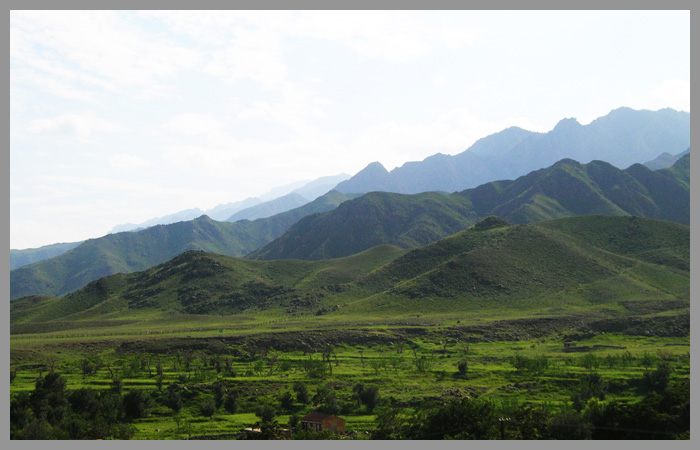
x,y
134,251
592,264
565,189
374,219
196,282
19,258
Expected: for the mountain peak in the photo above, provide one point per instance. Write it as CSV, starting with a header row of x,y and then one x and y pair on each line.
x,y
567,124
491,222
203,219
567,162
374,167
374,177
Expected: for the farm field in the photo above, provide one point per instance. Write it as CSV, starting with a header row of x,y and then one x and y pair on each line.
x,y
411,367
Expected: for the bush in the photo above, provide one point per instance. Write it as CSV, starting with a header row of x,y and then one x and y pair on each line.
x,y
462,367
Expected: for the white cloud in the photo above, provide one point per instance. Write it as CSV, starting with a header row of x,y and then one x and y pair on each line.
x,y
674,94
671,93
294,108
130,162
81,127
440,81
94,49
388,35
195,125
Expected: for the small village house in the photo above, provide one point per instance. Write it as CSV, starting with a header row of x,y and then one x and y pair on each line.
x,y
318,422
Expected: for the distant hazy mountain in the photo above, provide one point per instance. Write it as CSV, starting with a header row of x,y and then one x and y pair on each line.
x,y
223,212
318,187
567,188
665,160
622,138
19,258
181,216
310,190
270,208
133,251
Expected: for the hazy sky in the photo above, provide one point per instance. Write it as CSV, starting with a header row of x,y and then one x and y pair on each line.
x,y
120,117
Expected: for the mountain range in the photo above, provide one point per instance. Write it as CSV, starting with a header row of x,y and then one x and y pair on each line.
x,y
270,208
337,224
602,264
567,188
19,258
268,204
133,251
665,160
622,137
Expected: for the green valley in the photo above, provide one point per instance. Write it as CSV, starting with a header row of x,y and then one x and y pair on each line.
x,y
567,319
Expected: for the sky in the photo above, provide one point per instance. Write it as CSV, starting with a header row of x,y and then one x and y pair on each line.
x,y
122,116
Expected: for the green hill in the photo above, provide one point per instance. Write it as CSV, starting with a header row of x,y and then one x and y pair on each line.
x,y
376,218
601,264
196,282
19,258
134,251
567,188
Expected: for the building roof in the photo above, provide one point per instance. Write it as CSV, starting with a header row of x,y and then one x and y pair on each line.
x,y
318,417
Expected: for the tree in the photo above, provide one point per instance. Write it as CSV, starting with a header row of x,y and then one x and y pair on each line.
x,y
370,397
269,428
49,398
287,401
174,402
390,423
459,419
117,385
314,368
219,391
20,410
356,391
377,364
423,364
591,385
302,392
570,425
327,401
137,404
207,408
231,403
293,422
37,430
657,380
